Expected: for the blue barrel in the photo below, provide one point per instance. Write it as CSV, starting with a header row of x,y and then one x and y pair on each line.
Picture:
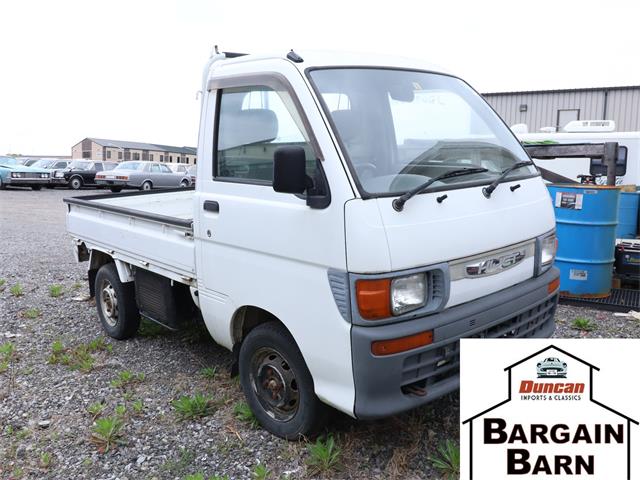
x,y
628,215
586,220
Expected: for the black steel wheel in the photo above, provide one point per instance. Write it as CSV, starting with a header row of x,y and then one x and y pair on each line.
x,y
116,303
277,383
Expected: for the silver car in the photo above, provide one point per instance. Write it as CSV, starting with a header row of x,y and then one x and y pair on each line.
x,y
551,367
142,175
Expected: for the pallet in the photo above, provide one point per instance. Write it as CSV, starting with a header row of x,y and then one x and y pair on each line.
x,y
620,300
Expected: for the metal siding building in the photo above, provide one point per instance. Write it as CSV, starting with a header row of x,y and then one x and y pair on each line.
x,y
554,108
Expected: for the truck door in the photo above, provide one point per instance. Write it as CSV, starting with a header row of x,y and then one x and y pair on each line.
x,y
257,247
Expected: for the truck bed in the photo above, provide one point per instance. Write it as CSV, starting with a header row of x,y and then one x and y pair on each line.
x,y
151,230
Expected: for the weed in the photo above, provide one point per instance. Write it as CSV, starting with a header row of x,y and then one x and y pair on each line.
x,y
176,467
120,410
260,472
125,378
17,473
16,290
96,409
31,313
46,459
78,358
583,324
209,372
151,329
56,290
243,412
76,286
57,347
87,462
97,344
4,366
194,476
447,460
324,455
197,406
7,350
2,284
107,433
138,406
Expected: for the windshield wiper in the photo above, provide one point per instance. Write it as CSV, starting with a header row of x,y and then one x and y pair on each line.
x,y
487,191
398,203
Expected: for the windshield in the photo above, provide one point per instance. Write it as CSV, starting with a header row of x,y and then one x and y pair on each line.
x,y
400,128
81,165
130,166
42,163
9,161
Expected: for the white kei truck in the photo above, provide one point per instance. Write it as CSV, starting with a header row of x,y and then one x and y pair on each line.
x,y
354,217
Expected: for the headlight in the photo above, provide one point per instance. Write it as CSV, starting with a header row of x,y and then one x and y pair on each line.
x,y
16,175
59,175
387,297
44,175
547,247
408,293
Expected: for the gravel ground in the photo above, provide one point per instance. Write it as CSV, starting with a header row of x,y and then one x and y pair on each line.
x,y
46,430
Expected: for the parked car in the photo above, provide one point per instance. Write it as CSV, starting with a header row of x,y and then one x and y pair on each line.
x,y
340,272
179,167
192,172
51,165
552,367
13,173
81,173
143,175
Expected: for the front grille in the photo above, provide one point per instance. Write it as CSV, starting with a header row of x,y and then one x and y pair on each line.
x,y
427,368
30,175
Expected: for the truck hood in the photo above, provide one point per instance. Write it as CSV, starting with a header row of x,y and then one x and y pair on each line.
x,y
465,224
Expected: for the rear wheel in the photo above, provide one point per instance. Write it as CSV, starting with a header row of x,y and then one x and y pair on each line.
x,y
146,185
36,187
277,383
184,184
75,183
116,303
115,189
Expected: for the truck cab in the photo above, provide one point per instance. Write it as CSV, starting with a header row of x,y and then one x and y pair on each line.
x,y
354,217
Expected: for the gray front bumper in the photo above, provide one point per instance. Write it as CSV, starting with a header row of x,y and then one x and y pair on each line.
x,y
27,182
388,385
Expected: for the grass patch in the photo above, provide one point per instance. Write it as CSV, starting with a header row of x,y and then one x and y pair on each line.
x,y
176,467
107,433
96,409
16,290
7,355
46,459
76,286
324,455
79,357
196,406
583,324
447,460
3,282
126,378
260,472
209,372
31,313
242,412
56,290
138,406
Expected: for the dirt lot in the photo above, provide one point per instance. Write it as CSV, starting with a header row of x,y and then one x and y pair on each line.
x,y
59,375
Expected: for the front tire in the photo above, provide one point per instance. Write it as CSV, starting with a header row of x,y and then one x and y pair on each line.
x,y
277,383
75,183
116,303
115,189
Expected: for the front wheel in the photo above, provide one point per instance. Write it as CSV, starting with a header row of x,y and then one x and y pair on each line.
x,y
116,303
146,186
277,383
184,184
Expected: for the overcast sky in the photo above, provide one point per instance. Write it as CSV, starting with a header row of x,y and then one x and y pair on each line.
x,y
130,69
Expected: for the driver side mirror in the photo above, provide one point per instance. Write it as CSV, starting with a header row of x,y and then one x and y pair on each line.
x,y
289,170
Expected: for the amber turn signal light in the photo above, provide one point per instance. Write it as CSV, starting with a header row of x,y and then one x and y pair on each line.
x,y
402,344
553,285
374,298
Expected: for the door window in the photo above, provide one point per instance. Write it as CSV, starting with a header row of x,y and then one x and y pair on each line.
x,y
253,123
155,169
164,169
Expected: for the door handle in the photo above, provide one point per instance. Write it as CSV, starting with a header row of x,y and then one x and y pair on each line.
x,y
211,206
